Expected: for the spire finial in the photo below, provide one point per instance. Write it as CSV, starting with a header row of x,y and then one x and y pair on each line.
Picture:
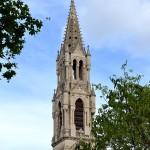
x,y
88,51
58,53
72,2
93,90
72,8
72,34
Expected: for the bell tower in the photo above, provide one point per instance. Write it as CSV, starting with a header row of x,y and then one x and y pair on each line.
x,y
74,98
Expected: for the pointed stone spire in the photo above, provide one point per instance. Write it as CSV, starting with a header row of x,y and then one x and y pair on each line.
x,y
58,54
54,95
72,8
88,51
72,34
93,91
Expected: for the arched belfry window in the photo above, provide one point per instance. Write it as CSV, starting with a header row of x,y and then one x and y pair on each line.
x,y
78,116
59,116
74,68
81,70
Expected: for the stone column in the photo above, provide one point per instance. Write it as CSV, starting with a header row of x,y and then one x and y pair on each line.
x,y
56,126
84,73
77,70
86,121
73,129
88,73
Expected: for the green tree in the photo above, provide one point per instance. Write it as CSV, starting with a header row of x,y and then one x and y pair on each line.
x,y
122,123
15,22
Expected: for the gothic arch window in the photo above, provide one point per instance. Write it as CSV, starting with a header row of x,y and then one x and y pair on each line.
x,y
78,116
74,68
59,116
81,70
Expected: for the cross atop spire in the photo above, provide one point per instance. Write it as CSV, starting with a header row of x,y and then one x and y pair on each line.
x,y
72,34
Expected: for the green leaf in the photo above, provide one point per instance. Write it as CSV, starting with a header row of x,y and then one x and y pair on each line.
x,y
15,22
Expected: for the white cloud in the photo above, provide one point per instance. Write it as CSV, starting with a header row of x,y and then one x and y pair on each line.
x,y
25,125
117,25
25,106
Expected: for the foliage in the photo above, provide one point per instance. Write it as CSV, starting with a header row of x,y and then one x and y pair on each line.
x,y
81,145
15,22
123,123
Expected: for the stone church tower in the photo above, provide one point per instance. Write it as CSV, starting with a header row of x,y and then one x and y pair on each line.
x,y
74,99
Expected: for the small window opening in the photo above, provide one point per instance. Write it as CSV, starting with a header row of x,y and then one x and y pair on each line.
x,y
59,117
65,73
81,70
74,69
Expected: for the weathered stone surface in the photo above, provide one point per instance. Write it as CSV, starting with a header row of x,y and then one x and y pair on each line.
x,y
74,99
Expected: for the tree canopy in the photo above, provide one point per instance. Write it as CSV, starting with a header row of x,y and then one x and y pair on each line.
x,y
124,121
15,22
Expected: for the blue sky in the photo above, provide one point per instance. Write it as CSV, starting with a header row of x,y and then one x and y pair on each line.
x,y
116,30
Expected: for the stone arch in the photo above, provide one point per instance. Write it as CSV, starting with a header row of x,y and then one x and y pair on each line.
x,y
74,69
78,115
81,70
